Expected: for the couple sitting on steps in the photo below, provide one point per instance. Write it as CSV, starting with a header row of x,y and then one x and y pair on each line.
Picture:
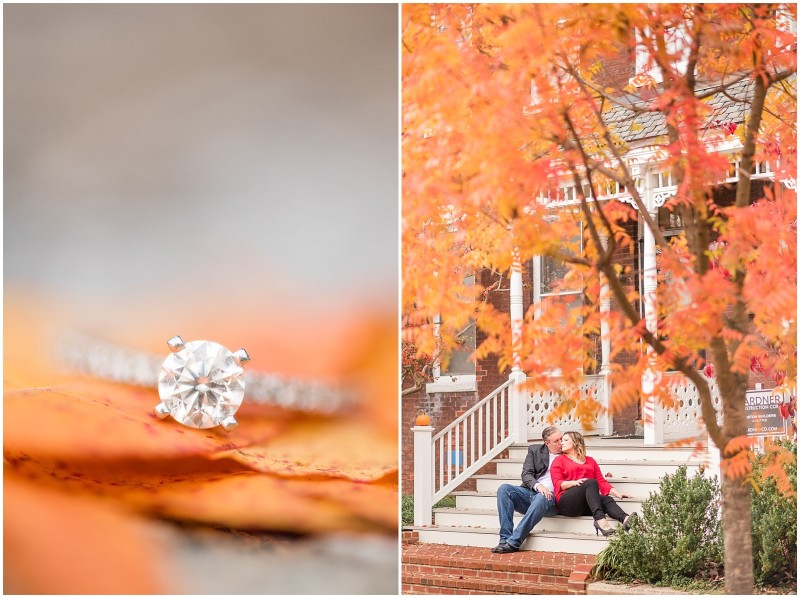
x,y
557,478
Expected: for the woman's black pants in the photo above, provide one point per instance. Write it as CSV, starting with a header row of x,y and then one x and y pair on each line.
x,y
587,500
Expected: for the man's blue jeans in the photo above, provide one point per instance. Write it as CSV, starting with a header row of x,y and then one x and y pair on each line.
x,y
533,506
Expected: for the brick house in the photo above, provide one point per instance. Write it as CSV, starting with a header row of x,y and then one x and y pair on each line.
x,y
465,383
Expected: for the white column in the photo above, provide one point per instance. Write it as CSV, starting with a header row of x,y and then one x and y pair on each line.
x,y
423,475
518,412
605,347
515,301
437,324
652,412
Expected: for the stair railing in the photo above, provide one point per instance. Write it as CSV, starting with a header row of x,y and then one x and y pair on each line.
x,y
446,460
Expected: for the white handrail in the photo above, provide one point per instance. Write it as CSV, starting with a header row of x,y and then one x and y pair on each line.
x,y
457,457
471,410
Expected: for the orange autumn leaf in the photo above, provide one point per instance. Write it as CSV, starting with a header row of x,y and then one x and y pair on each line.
x,y
339,448
223,493
118,477
103,420
88,547
370,501
250,501
374,371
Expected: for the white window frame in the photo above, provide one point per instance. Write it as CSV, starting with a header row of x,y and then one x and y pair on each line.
x,y
538,295
450,382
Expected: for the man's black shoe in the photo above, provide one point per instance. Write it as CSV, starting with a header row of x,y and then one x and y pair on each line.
x,y
504,548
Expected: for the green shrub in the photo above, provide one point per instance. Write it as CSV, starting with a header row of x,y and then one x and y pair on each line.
x,y
677,538
774,524
407,507
407,510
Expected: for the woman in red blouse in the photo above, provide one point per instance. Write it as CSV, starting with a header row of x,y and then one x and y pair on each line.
x,y
581,489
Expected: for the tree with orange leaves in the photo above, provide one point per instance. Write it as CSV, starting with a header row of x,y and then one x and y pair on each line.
x,y
508,111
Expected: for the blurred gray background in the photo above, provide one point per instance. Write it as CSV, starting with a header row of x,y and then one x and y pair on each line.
x,y
207,152
252,147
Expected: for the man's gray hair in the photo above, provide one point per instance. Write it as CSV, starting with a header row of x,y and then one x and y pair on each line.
x,y
548,431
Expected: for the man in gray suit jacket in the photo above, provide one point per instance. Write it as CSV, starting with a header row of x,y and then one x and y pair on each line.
x,y
534,498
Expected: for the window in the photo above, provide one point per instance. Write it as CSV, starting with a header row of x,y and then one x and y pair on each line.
x,y
760,169
659,180
549,288
669,221
456,371
459,362
548,274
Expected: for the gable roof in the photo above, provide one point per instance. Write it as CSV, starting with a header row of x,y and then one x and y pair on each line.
x,y
729,107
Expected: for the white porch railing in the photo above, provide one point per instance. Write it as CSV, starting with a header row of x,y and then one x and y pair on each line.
x,y
542,402
447,460
458,451
684,420
512,415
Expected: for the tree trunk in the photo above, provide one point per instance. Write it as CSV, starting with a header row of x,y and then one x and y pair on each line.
x,y
736,526
736,516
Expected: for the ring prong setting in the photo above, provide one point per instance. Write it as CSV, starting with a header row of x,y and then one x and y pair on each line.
x,y
241,355
161,411
175,344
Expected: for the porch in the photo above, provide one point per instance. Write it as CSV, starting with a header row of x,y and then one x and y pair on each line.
x,y
499,428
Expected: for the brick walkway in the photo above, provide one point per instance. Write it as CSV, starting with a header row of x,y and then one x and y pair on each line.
x,y
444,569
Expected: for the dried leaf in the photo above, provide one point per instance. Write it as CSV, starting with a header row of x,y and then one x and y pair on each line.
x,y
55,544
103,420
371,501
223,492
340,448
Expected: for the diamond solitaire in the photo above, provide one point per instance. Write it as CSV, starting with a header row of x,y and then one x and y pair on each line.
x,y
201,384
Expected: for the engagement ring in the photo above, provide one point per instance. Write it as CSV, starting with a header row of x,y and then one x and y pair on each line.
x,y
201,383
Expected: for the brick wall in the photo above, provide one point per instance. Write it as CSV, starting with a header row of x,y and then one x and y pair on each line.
x,y
442,407
617,69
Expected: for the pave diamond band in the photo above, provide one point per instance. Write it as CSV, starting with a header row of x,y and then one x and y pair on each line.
x,y
189,380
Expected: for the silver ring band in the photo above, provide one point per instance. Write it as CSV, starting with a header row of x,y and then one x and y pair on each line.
x,y
117,363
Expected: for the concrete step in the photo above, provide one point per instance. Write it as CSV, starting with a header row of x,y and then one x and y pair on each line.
x,y
624,450
649,468
488,501
487,518
638,488
489,538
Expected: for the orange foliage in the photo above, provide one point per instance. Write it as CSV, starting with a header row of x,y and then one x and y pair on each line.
x,y
524,112
88,464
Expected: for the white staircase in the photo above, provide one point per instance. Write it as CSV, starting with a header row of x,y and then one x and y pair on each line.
x,y
629,466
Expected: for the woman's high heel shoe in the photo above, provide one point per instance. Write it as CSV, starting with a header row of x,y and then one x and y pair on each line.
x,y
599,530
628,521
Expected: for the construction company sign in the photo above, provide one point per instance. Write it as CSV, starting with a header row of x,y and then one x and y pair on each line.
x,y
766,413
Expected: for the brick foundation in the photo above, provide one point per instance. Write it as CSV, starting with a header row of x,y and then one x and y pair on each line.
x,y
444,569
